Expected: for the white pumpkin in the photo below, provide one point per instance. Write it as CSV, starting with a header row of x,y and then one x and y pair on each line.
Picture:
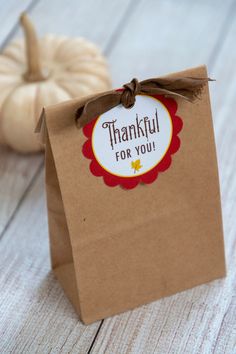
x,y
40,73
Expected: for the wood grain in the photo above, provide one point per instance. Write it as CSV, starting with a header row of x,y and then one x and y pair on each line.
x,y
169,36
27,316
35,315
18,171
9,14
15,175
201,320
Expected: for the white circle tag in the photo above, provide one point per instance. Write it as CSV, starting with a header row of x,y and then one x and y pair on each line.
x,y
131,142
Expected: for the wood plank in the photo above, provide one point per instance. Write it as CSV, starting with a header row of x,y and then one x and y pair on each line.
x,y
98,20
17,171
9,14
224,106
202,319
168,36
16,174
35,314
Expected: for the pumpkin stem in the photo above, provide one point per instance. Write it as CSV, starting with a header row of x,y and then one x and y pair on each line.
x,y
34,71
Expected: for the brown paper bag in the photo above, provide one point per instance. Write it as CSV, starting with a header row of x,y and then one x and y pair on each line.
x,y
114,249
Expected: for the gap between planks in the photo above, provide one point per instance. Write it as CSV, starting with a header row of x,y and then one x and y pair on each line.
x,y
15,27
108,48
218,45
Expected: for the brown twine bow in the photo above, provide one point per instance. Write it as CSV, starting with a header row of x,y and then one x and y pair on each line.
x,y
188,88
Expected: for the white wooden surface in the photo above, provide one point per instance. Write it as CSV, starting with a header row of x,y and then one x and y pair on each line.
x,y
141,39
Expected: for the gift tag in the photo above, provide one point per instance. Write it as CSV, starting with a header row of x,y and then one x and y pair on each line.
x,y
131,146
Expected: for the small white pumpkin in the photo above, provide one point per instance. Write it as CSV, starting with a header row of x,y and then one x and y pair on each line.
x,y
40,73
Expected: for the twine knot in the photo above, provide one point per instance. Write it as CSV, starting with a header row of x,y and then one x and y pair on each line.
x,y
188,88
131,89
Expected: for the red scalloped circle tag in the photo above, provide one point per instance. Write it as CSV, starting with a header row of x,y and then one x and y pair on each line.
x,y
131,146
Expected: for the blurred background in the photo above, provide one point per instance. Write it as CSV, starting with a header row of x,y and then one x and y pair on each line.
x,y
140,38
